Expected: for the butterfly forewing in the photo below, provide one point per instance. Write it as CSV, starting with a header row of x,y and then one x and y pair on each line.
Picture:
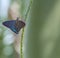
x,y
9,23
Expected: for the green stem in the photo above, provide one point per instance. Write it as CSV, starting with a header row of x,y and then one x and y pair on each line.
x,y
28,10
22,35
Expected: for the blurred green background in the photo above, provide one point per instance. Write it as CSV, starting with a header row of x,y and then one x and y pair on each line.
x,y
9,46
42,31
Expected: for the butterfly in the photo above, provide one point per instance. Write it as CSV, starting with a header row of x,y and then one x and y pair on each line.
x,y
14,25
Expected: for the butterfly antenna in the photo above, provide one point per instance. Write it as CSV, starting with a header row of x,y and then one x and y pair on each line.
x,y
17,18
16,23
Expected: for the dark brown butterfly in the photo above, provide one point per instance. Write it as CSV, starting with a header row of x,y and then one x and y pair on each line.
x,y
14,25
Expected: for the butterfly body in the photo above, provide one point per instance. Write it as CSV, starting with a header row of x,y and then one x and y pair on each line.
x,y
14,25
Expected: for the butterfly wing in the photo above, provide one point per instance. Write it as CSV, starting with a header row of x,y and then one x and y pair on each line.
x,y
11,25
22,24
19,25
14,26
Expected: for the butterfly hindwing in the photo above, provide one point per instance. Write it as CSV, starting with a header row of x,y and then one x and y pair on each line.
x,y
19,25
